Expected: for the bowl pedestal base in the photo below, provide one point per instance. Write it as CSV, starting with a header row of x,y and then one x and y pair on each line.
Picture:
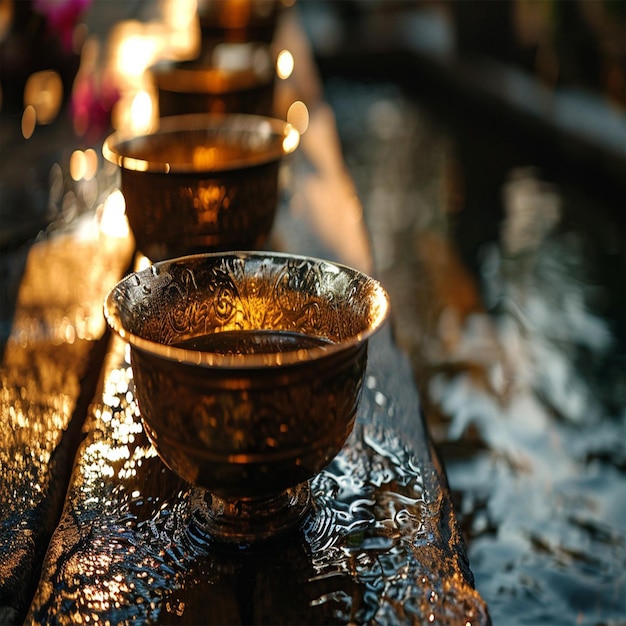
x,y
248,520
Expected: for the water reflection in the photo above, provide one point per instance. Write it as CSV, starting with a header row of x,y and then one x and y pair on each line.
x,y
542,416
517,343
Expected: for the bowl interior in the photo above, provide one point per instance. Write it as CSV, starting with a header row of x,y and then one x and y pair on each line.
x,y
280,309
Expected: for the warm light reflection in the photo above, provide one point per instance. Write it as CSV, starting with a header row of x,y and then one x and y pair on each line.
x,y
28,415
291,140
180,15
91,163
205,157
142,262
141,112
113,220
298,116
182,29
106,463
134,54
284,64
44,91
29,121
78,165
135,46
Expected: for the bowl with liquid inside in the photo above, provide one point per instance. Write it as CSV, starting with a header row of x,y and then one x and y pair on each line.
x,y
248,369
201,182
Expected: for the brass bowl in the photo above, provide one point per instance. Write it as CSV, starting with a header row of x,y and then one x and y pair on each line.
x,y
244,84
248,368
238,20
201,182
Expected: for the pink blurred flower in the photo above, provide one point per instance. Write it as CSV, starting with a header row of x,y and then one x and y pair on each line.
x,y
93,99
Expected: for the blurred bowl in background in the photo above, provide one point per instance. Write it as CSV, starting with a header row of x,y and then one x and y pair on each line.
x,y
236,21
201,182
238,78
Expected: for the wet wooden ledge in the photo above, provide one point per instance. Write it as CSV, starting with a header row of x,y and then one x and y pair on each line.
x,y
382,542
50,371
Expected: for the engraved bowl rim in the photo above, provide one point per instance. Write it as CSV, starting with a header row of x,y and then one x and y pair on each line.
x,y
201,358
194,122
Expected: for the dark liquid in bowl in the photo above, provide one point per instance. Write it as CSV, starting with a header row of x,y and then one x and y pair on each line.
x,y
252,342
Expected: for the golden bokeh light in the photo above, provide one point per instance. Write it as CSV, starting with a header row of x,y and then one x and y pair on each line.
x,y
91,163
180,15
298,116
83,164
78,165
113,220
182,28
134,54
135,112
29,121
284,64
142,262
44,92
141,111
291,140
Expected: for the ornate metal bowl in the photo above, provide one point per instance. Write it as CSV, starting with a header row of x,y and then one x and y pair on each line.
x,y
245,85
248,368
201,182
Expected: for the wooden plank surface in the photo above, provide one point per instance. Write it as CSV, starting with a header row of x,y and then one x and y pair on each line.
x,y
49,372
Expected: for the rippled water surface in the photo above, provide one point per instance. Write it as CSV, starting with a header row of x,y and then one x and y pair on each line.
x,y
507,288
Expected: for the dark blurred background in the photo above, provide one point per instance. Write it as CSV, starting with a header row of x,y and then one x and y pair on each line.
x,y
488,144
